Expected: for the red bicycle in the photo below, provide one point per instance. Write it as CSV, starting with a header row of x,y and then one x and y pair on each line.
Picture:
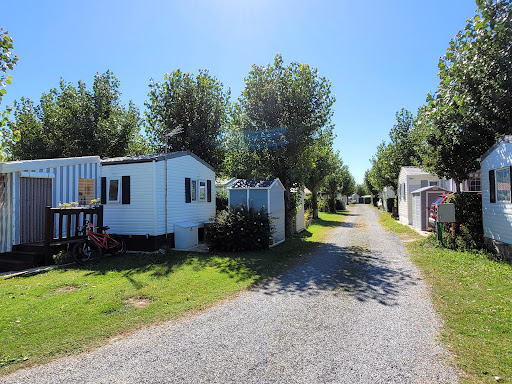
x,y
90,250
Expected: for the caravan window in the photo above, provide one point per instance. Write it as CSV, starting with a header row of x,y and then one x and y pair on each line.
x,y
202,190
503,185
85,191
113,190
193,190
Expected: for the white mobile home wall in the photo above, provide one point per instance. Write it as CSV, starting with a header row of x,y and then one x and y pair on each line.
x,y
497,217
149,210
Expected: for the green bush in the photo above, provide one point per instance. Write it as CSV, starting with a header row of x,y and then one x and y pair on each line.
x,y
221,201
468,213
240,229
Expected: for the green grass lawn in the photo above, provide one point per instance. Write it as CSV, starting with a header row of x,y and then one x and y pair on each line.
x,y
473,294
74,309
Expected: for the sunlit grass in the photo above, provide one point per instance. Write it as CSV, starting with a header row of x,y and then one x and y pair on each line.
x,y
473,293
70,310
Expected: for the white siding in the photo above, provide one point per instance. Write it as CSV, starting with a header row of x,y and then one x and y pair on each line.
x,y
138,217
403,208
180,168
277,211
416,211
497,217
6,214
64,184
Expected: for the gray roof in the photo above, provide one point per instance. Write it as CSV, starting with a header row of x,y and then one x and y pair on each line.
x,y
502,139
412,170
431,187
149,158
252,183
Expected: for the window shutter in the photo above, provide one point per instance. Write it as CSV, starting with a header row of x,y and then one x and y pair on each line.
x,y
209,190
188,197
492,187
103,190
125,191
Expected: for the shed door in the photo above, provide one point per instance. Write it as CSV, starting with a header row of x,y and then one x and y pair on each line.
x,y
35,195
416,211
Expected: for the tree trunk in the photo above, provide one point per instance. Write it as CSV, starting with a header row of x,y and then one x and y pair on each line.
x,y
314,201
289,212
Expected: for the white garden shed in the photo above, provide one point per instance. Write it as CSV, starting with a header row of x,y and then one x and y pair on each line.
x,y
422,199
496,171
28,186
409,180
145,197
262,193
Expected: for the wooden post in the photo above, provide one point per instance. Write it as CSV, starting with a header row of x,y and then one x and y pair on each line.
x,y
48,234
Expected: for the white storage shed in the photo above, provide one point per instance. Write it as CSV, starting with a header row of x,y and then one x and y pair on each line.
x,y
28,186
422,199
409,180
259,193
496,181
145,197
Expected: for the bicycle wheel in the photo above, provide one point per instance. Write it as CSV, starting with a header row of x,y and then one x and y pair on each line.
x,y
120,249
87,252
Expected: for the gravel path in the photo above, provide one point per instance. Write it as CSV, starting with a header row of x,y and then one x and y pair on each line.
x,y
356,311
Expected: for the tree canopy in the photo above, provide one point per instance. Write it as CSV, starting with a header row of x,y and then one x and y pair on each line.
x,y
188,112
285,109
473,103
75,121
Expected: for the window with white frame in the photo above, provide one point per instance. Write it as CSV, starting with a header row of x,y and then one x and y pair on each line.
x,y
502,177
202,190
85,191
433,183
113,190
474,183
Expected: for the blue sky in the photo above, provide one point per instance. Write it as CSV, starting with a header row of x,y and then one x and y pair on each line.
x,y
379,55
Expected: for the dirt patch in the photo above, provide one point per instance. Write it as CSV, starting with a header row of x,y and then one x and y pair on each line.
x,y
138,302
66,289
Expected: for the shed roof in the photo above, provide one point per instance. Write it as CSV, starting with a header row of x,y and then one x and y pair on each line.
x,y
255,183
150,158
431,187
25,165
412,170
502,139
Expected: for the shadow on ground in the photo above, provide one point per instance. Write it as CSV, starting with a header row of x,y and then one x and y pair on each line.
x,y
327,267
354,271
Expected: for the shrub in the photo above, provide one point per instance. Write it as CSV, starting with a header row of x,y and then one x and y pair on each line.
x,y
221,201
339,205
468,213
240,229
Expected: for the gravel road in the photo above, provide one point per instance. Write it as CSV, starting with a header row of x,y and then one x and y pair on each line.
x,y
356,311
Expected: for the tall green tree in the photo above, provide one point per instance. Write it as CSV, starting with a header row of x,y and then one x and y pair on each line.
x,y
287,108
7,62
188,112
75,121
402,150
322,165
473,103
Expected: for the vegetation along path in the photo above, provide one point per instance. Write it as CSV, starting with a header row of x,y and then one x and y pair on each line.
x,y
356,311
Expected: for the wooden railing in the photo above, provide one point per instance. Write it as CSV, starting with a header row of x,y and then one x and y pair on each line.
x,y
61,223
